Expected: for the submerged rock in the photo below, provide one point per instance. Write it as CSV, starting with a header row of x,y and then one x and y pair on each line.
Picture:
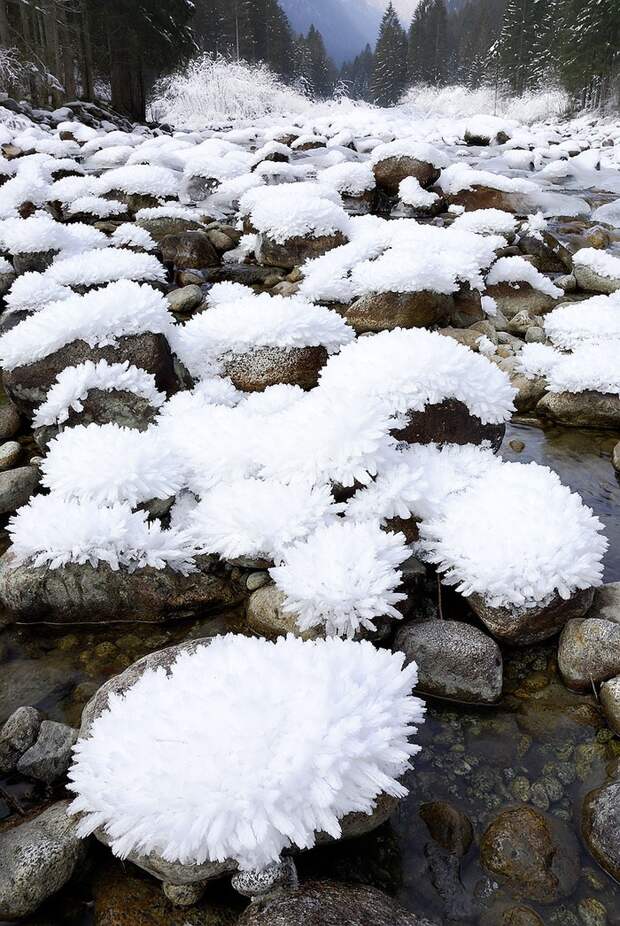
x,y
589,652
37,858
536,855
326,903
600,825
10,420
455,660
588,409
83,594
386,311
448,826
531,625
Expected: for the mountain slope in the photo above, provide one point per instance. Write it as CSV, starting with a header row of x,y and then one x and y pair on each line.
x,y
346,25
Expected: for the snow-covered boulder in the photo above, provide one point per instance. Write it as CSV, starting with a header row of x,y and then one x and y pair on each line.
x,y
229,716
517,286
394,162
597,271
475,189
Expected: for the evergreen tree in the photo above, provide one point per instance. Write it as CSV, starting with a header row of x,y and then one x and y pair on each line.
x,y
389,76
429,44
317,69
356,75
590,52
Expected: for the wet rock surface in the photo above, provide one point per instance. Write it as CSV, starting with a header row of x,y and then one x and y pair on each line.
x,y
531,625
600,825
589,652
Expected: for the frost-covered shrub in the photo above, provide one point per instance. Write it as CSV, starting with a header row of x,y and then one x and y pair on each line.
x,y
207,762
510,564
100,318
74,383
240,321
107,464
515,270
593,320
258,518
343,577
406,370
53,531
591,365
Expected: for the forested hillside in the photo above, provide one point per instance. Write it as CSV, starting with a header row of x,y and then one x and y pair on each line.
x,y
55,50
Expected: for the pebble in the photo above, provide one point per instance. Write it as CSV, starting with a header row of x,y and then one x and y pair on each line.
x,y
185,299
615,457
256,580
592,912
516,445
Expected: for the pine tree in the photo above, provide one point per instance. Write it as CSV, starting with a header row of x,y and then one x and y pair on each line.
x,y
389,76
319,71
428,43
590,53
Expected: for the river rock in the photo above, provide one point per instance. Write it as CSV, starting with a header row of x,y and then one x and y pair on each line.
x,y
327,903
37,858
84,594
522,626
529,391
294,251
511,916
101,406
185,299
161,226
266,615
16,487
615,457
7,278
10,452
28,385
551,256
9,420
50,756
588,409
257,369
513,299
589,652
594,282
610,701
484,197
191,250
390,172
600,826
386,311
17,735
606,604
33,261
455,660
449,422
536,855
448,826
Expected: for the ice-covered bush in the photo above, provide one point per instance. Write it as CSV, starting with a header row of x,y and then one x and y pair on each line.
x,y
74,383
53,531
247,747
100,318
343,577
510,564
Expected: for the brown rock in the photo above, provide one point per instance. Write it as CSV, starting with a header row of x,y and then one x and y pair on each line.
x,y
326,903
448,826
512,300
482,197
529,391
296,250
550,254
386,311
391,171
536,855
159,228
449,422
191,250
255,370
265,615
531,625
28,385
587,409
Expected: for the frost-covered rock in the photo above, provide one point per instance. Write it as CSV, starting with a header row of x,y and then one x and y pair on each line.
x,y
37,858
240,701
394,162
600,825
455,660
597,271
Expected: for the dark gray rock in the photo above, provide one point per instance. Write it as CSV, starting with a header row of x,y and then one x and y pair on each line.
x,y
28,385
455,660
325,903
189,250
589,652
83,594
257,369
9,421
16,487
50,756
17,735
185,299
606,604
523,626
294,251
448,422
587,409
448,826
37,858
600,825
10,452
535,855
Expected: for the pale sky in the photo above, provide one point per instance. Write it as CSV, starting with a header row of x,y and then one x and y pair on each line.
x,y
404,8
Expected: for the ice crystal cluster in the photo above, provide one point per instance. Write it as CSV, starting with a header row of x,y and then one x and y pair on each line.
x,y
254,747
